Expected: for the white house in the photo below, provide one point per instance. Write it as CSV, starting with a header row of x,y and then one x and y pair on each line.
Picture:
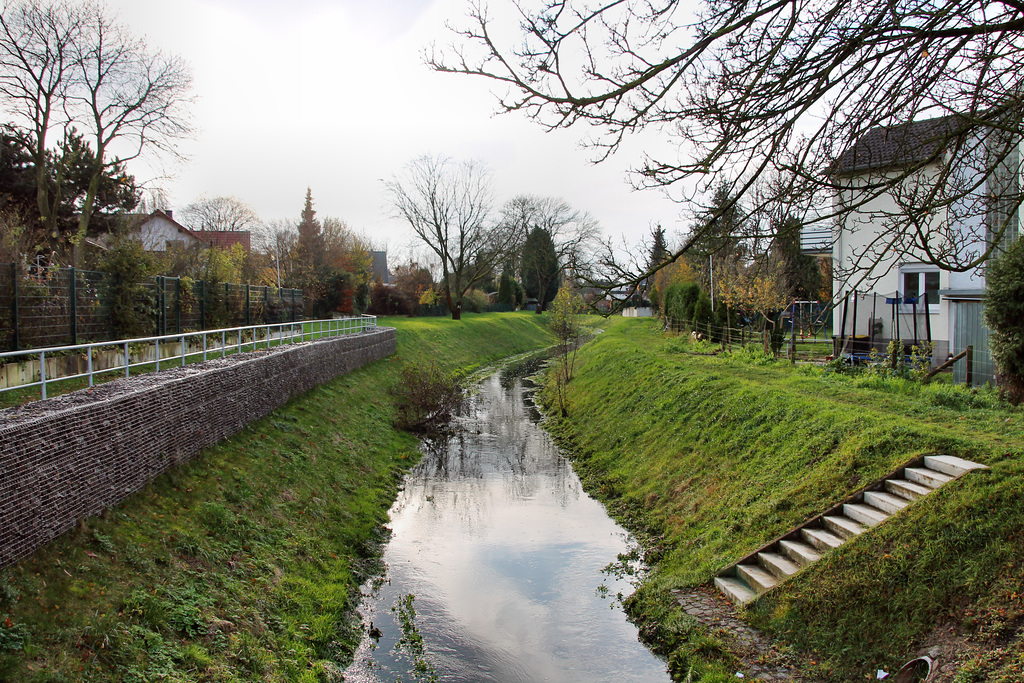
x,y
888,238
159,230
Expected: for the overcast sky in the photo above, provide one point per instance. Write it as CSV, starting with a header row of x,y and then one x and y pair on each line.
x,y
333,95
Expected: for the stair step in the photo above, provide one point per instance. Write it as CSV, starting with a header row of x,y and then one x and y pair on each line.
x,y
735,589
951,465
866,515
777,564
926,476
906,489
821,539
756,578
801,553
745,582
886,502
844,527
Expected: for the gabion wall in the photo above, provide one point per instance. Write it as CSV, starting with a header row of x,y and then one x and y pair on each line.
x,y
66,458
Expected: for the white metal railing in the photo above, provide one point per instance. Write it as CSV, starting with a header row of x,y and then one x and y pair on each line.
x,y
225,341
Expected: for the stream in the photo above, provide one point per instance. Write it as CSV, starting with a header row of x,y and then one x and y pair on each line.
x,y
494,568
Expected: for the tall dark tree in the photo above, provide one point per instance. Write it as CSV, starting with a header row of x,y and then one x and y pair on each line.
x,y
506,286
540,267
309,271
659,248
797,273
17,174
70,173
67,174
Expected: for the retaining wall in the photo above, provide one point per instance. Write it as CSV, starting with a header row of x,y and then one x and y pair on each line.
x,y
75,455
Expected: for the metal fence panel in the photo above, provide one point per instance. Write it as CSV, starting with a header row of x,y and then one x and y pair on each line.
x,y
43,307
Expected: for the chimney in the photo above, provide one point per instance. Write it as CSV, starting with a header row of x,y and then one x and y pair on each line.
x,y
169,212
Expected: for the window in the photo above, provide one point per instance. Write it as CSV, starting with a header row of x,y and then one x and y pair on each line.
x,y
920,280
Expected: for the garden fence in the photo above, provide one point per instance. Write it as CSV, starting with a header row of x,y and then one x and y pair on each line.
x,y
972,365
45,307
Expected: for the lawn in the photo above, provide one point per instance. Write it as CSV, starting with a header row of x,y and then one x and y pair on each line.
x,y
710,457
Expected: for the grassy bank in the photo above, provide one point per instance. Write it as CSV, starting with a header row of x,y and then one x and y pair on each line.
x,y
711,457
244,564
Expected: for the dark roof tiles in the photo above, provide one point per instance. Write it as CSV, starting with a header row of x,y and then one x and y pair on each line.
x,y
902,145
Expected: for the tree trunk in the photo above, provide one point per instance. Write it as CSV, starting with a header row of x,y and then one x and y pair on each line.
x,y
83,218
454,306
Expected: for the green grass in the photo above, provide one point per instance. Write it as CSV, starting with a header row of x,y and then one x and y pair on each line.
x,y
243,564
710,457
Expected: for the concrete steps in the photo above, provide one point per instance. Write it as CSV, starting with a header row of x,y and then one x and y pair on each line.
x,y
766,568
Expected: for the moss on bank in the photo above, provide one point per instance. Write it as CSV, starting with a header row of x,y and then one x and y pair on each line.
x,y
245,563
711,457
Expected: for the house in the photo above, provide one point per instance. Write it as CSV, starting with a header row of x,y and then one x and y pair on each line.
x,y
159,231
225,239
887,285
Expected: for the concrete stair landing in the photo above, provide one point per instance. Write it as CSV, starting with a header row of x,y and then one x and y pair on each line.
x,y
761,571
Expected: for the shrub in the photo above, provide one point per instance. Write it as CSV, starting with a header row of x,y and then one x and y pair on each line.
x,y
1004,314
702,313
132,302
680,299
475,301
426,399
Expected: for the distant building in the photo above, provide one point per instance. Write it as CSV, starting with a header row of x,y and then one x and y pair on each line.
x,y
379,267
159,231
225,239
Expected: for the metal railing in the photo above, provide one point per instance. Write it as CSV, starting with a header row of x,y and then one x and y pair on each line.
x,y
189,345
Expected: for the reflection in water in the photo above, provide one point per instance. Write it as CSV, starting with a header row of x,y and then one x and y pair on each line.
x,y
503,551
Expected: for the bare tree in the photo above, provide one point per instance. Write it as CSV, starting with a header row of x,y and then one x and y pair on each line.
x,y
128,97
278,239
37,42
219,213
576,234
448,205
786,88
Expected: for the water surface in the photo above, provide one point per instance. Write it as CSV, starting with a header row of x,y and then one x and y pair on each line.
x,y
503,552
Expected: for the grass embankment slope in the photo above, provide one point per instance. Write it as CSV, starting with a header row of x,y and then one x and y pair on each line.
x,y
245,563
711,457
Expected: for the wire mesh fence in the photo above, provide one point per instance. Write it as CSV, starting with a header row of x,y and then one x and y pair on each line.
x,y
43,307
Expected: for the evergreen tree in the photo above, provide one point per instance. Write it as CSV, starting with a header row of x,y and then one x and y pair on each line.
x,y
1004,314
540,266
659,254
659,249
311,272
798,273
506,286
